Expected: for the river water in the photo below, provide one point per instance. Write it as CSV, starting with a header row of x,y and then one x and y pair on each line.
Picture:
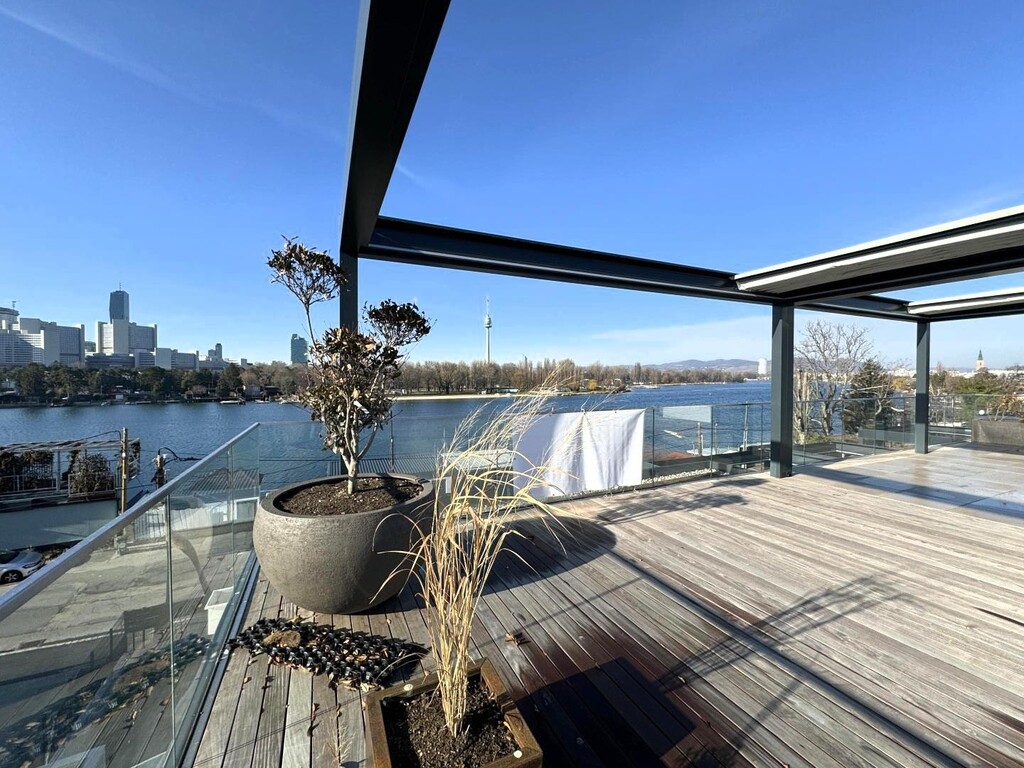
x,y
196,429
290,449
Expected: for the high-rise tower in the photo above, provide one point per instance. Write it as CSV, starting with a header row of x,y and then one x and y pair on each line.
x,y
300,350
487,329
119,305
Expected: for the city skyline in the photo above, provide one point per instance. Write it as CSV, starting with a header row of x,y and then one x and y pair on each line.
x,y
119,342
721,136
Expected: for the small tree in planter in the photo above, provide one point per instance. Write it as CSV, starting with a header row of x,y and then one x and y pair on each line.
x,y
351,372
326,545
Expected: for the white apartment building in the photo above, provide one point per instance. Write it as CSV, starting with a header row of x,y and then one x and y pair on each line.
x,y
123,337
25,340
167,358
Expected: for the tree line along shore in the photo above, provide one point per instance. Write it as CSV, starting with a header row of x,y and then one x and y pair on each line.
x,y
35,384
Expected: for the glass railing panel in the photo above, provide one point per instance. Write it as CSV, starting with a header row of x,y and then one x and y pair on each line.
x,y
827,430
211,515
85,663
982,418
291,452
957,418
681,442
107,652
740,437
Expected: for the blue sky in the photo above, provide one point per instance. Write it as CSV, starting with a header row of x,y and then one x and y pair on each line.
x,y
167,147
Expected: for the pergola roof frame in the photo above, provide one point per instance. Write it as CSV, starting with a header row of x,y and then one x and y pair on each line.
x,y
395,43
410,242
975,247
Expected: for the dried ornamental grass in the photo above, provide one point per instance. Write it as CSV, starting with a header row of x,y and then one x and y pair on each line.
x,y
470,528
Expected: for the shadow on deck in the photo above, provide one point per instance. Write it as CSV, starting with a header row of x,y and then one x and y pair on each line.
x,y
830,619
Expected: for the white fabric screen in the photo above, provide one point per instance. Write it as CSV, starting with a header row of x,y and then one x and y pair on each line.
x,y
585,451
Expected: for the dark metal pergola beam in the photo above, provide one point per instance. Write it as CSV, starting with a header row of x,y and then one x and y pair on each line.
x,y
394,44
409,242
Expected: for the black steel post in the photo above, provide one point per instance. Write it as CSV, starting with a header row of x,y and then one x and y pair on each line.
x,y
782,390
921,404
348,309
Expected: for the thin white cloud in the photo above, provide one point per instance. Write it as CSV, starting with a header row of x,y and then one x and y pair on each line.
x,y
983,202
977,202
89,45
288,119
412,176
430,184
82,43
747,337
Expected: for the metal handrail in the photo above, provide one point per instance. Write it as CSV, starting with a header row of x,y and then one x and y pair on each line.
x,y
79,553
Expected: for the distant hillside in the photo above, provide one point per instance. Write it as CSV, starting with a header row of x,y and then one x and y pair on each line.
x,y
719,365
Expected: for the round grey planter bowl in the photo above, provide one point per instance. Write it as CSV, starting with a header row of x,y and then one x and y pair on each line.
x,y
339,563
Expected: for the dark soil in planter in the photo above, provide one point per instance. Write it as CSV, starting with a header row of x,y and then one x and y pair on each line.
x,y
418,737
332,498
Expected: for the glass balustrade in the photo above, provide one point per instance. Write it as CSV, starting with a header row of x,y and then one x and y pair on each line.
x,y
108,652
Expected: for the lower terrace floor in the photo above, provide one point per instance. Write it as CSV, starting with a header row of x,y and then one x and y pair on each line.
x,y
863,613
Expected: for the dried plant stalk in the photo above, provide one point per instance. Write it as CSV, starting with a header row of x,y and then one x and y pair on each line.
x,y
469,531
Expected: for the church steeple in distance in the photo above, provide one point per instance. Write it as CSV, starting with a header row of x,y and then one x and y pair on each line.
x,y
980,362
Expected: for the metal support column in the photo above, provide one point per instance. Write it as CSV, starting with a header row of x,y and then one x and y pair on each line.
x,y
782,390
348,299
924,334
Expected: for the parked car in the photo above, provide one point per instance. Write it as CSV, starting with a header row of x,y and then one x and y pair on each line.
x,y
15,566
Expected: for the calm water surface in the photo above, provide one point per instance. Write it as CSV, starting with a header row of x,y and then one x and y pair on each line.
x,y
197,429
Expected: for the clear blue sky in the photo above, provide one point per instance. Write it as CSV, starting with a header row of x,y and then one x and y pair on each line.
x,y
167,146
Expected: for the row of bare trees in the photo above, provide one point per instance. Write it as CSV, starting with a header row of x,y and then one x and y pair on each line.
x,y
445,377
840,382
37,383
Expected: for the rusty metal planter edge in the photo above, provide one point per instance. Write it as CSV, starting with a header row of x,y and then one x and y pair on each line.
x,y
377,736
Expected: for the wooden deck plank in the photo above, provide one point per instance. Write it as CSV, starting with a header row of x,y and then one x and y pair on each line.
x,y
662,729
911,598
862,613
584,610
533,668
273,715
926,596
710,660
241,746
726,525
604,607
344,742
862,653
950,728
296,750
542,708
225,709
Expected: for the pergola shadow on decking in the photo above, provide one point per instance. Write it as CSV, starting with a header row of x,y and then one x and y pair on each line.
x,y
866,613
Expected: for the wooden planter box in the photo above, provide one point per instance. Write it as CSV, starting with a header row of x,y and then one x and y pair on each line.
x,y
378,740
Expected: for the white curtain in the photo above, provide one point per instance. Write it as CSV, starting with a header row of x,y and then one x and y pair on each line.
x,y
584,451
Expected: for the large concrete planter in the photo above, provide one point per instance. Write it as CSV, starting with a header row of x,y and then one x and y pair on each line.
x,y
338,563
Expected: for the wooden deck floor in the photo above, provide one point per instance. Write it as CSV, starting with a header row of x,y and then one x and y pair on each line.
x,y
865,613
